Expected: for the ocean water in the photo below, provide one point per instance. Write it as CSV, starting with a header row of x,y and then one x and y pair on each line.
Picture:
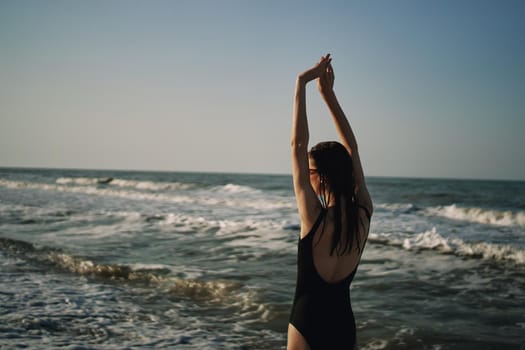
x,y
207,261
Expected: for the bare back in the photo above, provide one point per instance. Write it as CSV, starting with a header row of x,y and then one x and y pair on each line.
x,y
334,268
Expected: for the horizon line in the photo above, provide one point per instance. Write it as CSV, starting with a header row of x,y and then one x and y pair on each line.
x,y
218,172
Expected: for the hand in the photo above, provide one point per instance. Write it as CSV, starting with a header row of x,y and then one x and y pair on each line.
x,y
317,70
325,83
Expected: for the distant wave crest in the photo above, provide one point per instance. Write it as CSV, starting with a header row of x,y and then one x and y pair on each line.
x,y
228,195
397,207
479,215
140,185
233,188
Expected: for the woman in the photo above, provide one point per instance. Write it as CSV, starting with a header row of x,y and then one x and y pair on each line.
x,y
335,210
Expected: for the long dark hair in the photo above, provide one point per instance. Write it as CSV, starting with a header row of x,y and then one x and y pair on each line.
x,y
336,172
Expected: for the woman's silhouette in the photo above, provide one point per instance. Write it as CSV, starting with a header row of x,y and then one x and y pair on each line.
x,y
335,210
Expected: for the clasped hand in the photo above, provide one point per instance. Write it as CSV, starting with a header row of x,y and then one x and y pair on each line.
x,y
323,72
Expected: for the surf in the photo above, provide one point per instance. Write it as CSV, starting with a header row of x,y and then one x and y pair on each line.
x,y
431,240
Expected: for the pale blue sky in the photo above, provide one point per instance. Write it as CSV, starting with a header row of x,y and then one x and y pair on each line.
x,y
432,88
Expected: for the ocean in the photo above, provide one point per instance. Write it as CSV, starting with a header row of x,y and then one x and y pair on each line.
x,y
164,260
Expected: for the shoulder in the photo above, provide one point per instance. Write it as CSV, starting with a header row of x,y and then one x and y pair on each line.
x,y
364,201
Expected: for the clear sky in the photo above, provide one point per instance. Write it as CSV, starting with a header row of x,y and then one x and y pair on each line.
x,y
432,88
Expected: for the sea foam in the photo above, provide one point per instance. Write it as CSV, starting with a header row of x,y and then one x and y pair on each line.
x,y
207,198
479,215
140,185
432,240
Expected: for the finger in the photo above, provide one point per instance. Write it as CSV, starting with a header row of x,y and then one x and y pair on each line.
x,y
326,58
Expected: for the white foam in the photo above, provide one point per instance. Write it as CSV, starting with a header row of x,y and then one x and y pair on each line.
x,y
152,186
427,240
244,232
232,188
201,198
140,185
149,267
479,215
432,240
490,251
224,227
396,207
76,181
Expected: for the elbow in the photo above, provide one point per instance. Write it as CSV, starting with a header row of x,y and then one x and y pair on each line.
x,y
299,140
298,145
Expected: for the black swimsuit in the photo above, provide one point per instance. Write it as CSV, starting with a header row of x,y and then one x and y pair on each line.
x,y
321,311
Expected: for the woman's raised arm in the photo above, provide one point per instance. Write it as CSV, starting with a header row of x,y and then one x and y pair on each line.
x,y
325,85
307,203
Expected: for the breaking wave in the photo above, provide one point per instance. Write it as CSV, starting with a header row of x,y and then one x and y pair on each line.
x,y
479,215
140,185
432,240
151,185
397,207
156,276
221,196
